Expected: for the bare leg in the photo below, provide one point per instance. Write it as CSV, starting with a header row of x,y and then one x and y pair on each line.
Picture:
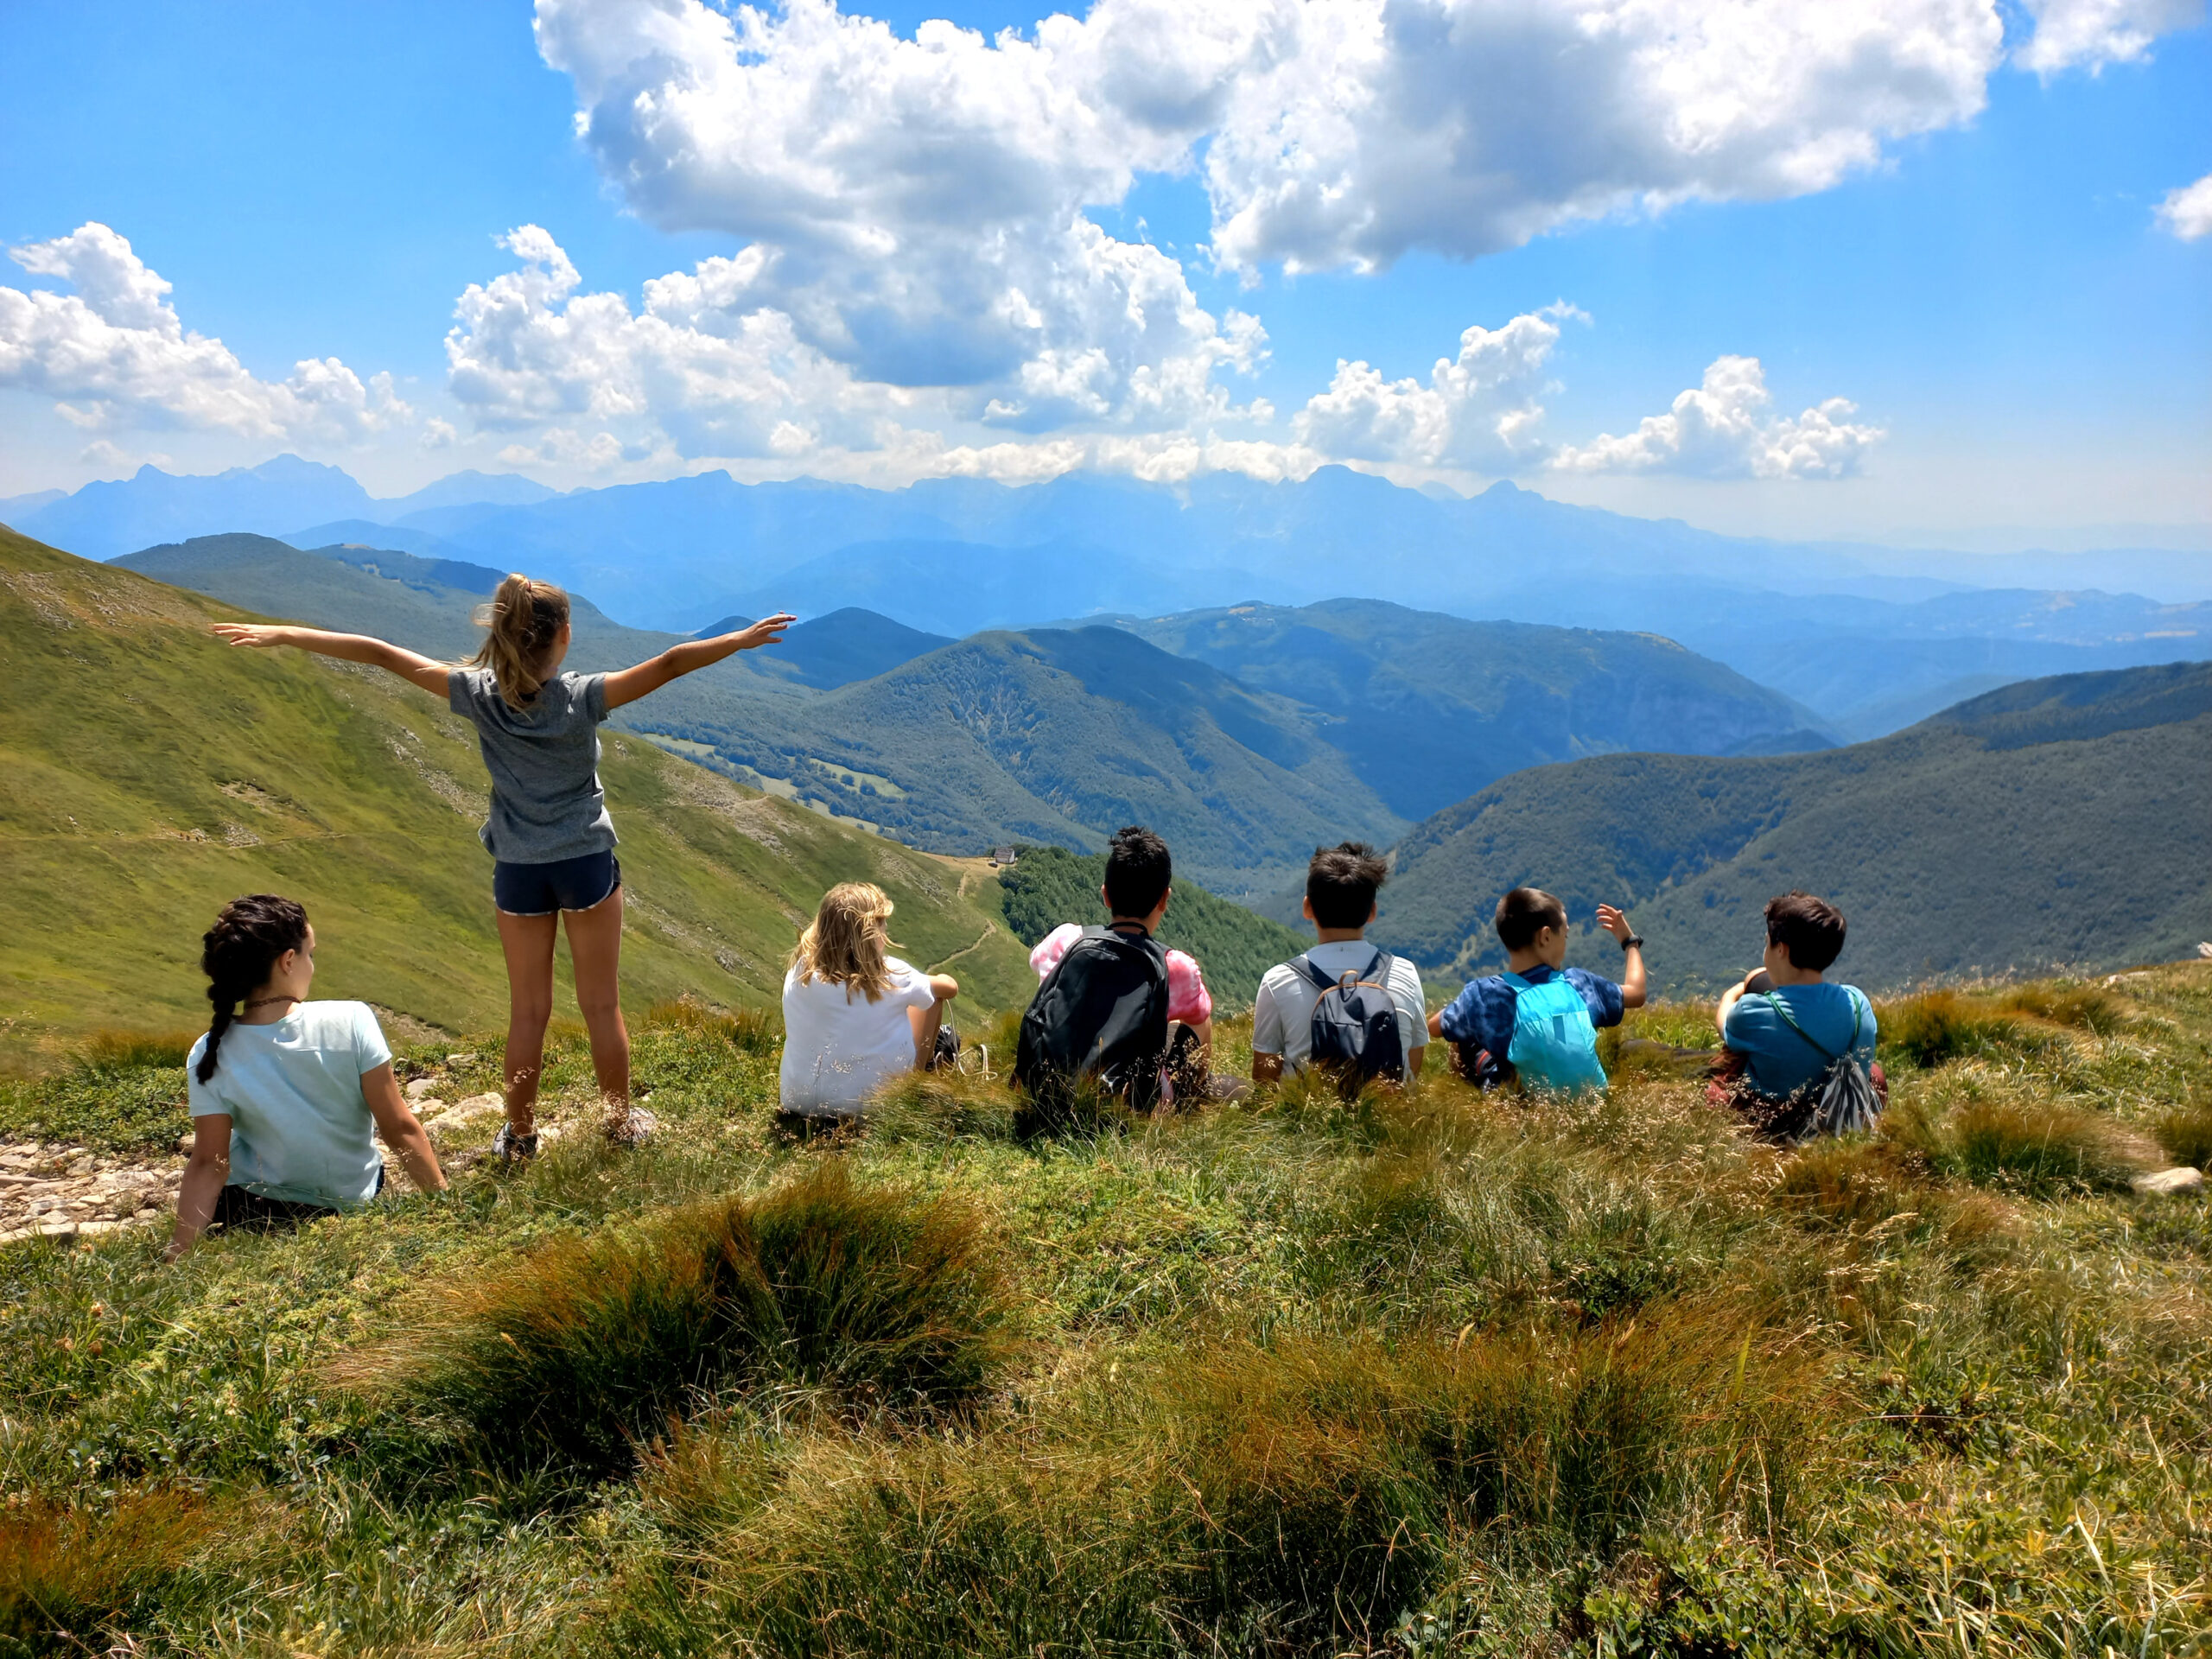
x,y
595,950
925,1022
528,942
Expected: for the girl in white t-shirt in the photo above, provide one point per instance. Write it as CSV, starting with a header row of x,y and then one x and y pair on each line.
x,y
853,1015
286,1093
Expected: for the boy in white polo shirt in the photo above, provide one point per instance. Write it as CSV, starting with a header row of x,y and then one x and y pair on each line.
x,y
1340,886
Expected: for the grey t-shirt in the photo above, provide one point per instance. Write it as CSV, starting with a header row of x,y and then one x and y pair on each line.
x,y
544,758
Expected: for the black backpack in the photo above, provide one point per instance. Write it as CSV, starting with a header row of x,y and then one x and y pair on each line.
x,y
1101,1013
1355,1029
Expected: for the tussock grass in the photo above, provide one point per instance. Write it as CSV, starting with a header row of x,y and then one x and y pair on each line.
x,y
1937,1027
1294,1498
1991,1136
68,1574
2185,1132
2086,1006
116,1051
749,1031
587,1344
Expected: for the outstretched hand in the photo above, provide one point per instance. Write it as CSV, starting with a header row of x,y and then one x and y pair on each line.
x,y
1614,921
768,630
261,634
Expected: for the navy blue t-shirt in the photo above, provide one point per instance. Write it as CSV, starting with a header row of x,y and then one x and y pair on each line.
x,y
1481,1016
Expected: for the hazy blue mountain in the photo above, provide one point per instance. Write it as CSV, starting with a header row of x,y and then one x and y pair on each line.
x,y
2057,822
366,532
456,489
1429,708
828,652
960,588
16,506
103,519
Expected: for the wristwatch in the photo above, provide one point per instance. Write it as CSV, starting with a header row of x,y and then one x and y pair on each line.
x,y
1634,942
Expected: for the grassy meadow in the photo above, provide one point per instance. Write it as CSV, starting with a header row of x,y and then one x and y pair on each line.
x,y
1419,1374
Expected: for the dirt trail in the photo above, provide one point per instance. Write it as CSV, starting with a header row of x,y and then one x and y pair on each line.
x,y
989,928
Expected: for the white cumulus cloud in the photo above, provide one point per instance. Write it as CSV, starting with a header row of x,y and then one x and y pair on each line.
x,y
2187,212
1479,410
115,350
2089,34
1725,429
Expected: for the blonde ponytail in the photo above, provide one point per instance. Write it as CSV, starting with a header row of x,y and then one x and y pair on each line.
x,y
523,618
846,942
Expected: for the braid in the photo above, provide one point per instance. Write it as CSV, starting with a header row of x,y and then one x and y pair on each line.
x,y
238,955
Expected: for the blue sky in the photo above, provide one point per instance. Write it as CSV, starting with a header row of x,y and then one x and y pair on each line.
x,y
2003,276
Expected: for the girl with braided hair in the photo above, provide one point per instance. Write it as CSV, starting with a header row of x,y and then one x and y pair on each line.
x,y
284,1091
550,839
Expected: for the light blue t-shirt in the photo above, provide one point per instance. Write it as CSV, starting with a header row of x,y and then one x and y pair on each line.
x,y
1776,1060
300,1125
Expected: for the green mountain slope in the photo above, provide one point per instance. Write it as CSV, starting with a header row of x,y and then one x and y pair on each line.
x,y
152,772
2061,821
1429,708
1063,736
1233,946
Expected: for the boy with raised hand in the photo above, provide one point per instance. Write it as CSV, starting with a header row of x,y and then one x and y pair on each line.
x,y
1341,882
1538,1022
1785,1024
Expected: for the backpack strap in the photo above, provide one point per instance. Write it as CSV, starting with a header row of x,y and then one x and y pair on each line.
x,y
1304,965
1782,1009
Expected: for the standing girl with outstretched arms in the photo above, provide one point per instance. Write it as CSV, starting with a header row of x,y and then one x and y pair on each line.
x,y
548,834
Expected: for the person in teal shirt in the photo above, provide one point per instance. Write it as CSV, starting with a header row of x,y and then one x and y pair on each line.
x,y
1785,1023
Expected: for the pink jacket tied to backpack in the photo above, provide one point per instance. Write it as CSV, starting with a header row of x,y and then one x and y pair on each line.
x,y
1188,1000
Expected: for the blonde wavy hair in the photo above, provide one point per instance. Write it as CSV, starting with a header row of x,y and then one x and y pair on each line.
x,y
523,619
846,942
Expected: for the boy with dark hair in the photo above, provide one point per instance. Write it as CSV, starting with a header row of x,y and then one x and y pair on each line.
x,y
1355,987
1140,876
1786,1025
1538,1022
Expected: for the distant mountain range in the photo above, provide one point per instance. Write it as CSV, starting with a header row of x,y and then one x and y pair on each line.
x,y
1258,735
1868,638
2059,821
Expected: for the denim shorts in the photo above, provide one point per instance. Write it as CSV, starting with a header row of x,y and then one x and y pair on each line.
x,y
565,883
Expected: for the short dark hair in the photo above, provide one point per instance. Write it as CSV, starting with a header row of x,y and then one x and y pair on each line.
x,y
1340,883
1138,870
1524,914
1809,929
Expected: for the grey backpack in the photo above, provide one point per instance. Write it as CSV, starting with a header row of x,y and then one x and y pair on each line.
x,y
1841,1099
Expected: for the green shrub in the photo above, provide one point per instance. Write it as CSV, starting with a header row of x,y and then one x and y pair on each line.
x,y
588,1345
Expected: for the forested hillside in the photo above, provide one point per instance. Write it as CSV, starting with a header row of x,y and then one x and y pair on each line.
x,y
152,772
1429,707
2061,821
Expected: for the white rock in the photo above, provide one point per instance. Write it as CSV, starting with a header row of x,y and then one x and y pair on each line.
x,y
461,1060
421,1087
2171,1183
461,1114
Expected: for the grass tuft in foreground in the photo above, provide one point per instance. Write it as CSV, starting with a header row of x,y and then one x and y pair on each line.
x,y
588,1345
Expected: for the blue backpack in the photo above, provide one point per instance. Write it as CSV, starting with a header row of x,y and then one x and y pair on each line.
x,y
1554,1045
